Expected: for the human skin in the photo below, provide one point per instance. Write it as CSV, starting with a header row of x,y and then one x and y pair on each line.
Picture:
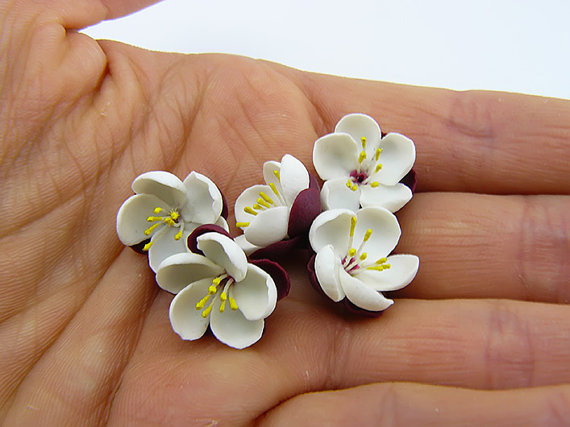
x,y
480,337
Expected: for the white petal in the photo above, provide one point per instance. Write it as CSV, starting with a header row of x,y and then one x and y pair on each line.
x,y
132,215
403,269
358,126
256,295
268,226
397,158
224,252
385,231
331,228
327,267
248,198
336,195
204,200
165,245
178,271
246,246
163,185
233,329
221,222
361,295
186,321
335,155
269,175
294,178
391,197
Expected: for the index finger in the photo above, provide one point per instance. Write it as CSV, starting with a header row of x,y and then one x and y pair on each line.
x,y
476,141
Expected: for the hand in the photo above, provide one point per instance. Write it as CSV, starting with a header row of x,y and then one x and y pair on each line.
x,y
481,335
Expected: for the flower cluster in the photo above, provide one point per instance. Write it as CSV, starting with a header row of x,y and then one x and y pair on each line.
x,y
232,285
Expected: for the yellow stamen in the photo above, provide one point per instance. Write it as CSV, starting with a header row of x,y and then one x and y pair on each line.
x,y
381,261
178,235
157,210
151,229
352,252
169,221
233,304
376,267
217,280
212,290
367,234
256,206
374,184
354,187
362,156
265,197
277,175
263,203
223,306
147,246
223,296
363,256
378,151
242,224
174,215
249,210
378,167
386,266
352,225
363,141
206,312
349,184
274,188
154,218
202,302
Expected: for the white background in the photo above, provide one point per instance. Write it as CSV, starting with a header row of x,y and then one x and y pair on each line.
x,y
518,46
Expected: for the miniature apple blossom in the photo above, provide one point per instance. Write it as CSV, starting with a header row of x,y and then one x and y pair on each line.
x,y
164,211
281,209
353,258
362,168
220,289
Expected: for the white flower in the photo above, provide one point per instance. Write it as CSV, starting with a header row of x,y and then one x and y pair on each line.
x,y
166,210
360,168
352,256
219,289
263,211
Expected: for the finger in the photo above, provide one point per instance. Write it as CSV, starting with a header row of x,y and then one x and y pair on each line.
x,y
71,380
474,344
476,141
482,246
414,404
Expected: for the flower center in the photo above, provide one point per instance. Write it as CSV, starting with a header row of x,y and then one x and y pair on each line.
x,y
221,287
172,219
366,168
357,259
264,201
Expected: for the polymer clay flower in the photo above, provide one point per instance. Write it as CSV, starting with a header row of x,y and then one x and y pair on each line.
x,y
283,208
360,168
165,210
352,257
220,289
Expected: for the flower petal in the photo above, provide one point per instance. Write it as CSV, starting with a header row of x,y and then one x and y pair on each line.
x,y
178,271
361,295
186,321
164,245
221,222
403,269
277,273
247,199
304,210
269,174
132,215
256,294
336,195
335,155
204,200
385,231
360,125
246,246
391,197
331,228
294,178
397,158
163,185
268,226
327,267
233,329
224,252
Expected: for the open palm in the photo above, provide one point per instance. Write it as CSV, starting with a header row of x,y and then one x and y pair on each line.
x,y
481,334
